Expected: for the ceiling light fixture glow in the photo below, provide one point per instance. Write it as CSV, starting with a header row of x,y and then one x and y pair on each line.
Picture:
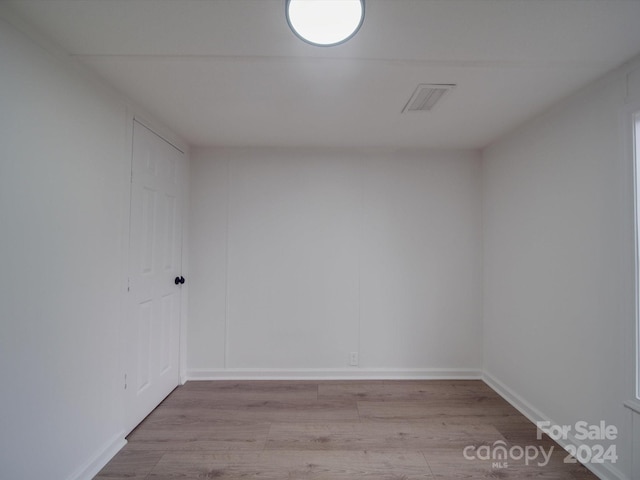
x,y
325,22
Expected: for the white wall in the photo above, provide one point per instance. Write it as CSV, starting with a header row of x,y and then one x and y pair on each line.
x,y
558,274
65,162
302,256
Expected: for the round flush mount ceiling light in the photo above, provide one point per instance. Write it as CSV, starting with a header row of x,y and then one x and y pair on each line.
x,y
325,22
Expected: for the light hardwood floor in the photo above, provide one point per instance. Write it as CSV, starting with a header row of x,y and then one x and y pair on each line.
x,y
391,430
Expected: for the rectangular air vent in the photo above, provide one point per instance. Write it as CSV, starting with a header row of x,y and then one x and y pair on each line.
x,y
426,97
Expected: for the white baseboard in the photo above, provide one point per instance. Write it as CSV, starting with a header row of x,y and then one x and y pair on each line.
x,y
335,374
604,471
91,468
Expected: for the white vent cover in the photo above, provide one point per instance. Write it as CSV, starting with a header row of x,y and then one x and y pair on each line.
x,y
426,96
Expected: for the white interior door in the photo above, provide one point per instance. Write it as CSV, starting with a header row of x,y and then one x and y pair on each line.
x,y
153,323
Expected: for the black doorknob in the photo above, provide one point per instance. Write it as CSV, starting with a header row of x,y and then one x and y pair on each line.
x,y
179,280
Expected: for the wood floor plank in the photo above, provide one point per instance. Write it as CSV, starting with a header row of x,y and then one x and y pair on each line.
x,y
482,410
131,464
522,433
405,390
201,436
233,393
249,386
385,436
264,411
293,465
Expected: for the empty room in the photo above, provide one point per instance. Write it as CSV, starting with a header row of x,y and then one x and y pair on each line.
x,y
319,239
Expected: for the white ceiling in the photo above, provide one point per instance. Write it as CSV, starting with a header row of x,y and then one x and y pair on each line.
x,y
230,72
